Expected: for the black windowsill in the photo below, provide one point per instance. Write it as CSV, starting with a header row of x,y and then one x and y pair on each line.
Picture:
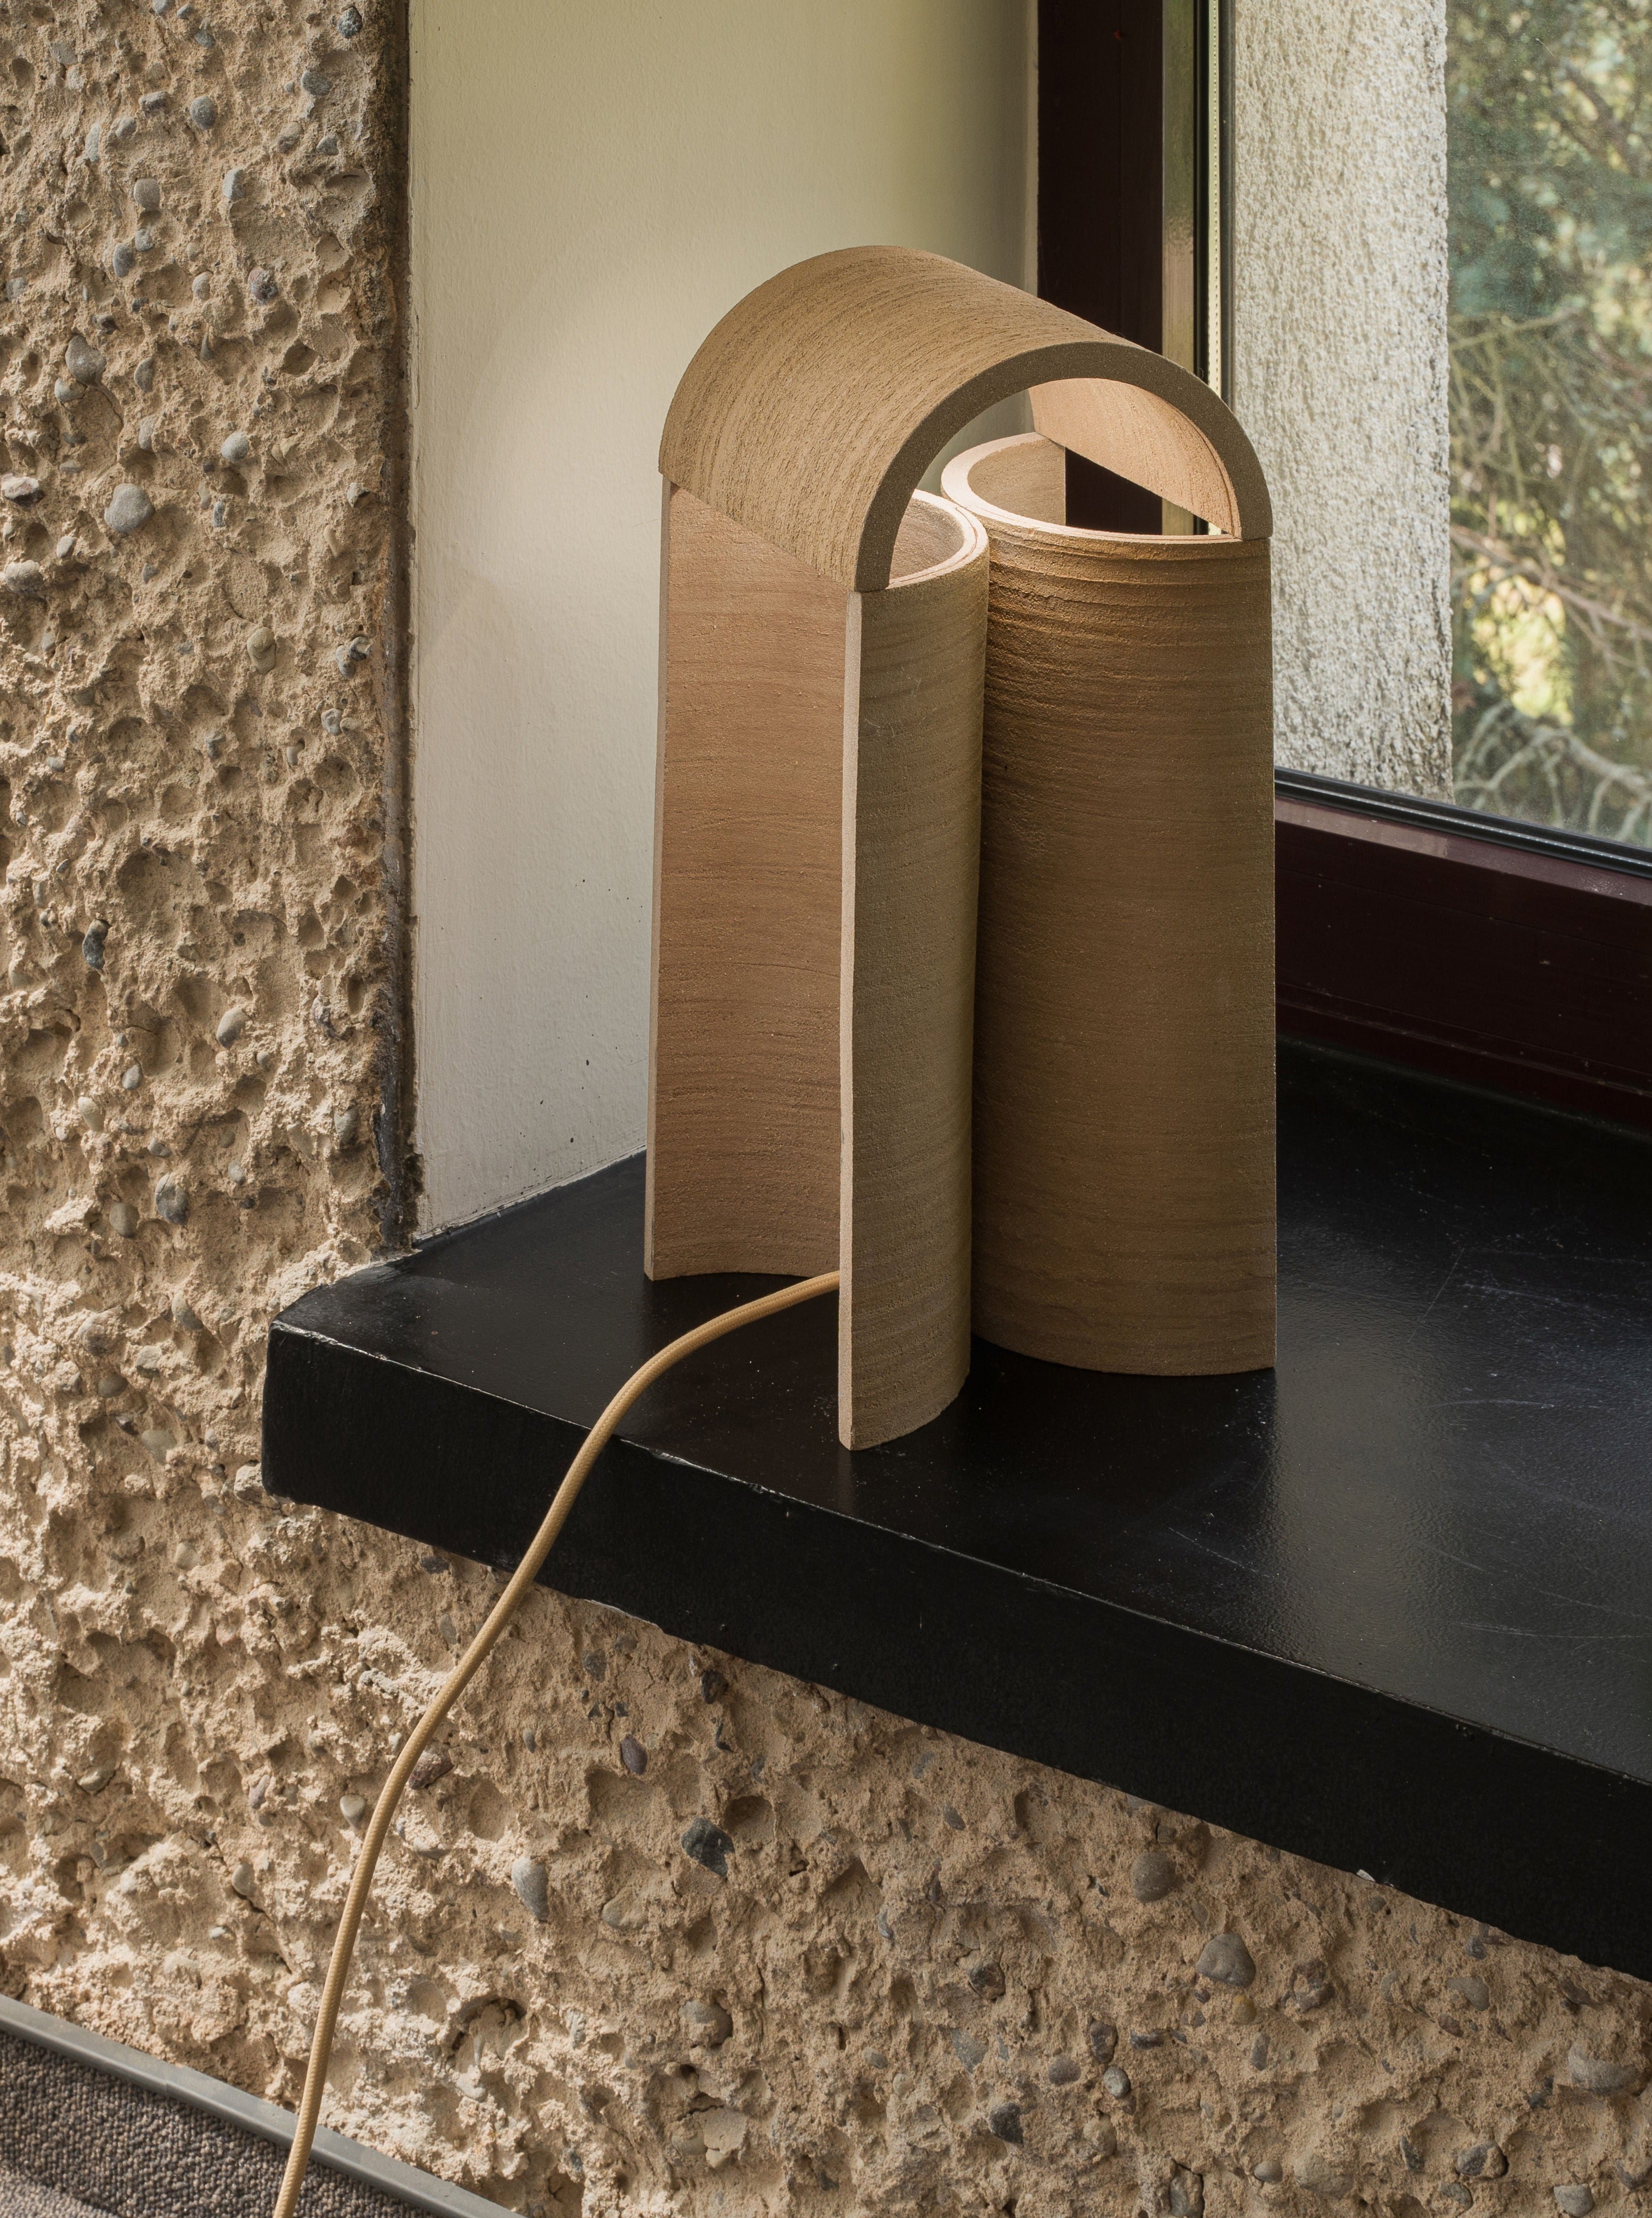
x,y
1388,1606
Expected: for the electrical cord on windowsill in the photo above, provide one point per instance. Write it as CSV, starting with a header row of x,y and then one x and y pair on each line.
x,y
470,1663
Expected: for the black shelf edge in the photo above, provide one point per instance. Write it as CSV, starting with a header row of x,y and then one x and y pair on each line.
x,y
1296,1604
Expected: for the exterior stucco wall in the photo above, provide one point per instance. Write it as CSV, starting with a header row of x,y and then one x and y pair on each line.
x,y
919,1948
1340,373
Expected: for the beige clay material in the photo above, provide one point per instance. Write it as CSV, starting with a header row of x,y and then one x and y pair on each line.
x,y
816,840
912,843
742,1103
811,411
1124,1143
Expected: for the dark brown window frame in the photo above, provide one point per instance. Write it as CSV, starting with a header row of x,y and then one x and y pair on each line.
x,y
1481,949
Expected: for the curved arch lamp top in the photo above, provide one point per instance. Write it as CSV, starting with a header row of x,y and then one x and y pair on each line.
x,y
811,411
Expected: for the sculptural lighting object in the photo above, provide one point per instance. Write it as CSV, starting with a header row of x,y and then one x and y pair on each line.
x,y
963,962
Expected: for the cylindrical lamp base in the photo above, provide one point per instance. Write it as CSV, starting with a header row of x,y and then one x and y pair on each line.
x,y
1123,1151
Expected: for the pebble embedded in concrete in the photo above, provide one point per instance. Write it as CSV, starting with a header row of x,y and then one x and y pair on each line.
x,y
1004,2123
1152,1875
235,185
19,490
203,111
261,649
83,360
1484,2160
171,1201
1576,2201
708,2024
130,507
1062,2071
236,448
532,1884
123,1219
633,1756
708,1845
146,194
353,1808
1226,1958
1599,2075
1116,2081
230,1025
27,579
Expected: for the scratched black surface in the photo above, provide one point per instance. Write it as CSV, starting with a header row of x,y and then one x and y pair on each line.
x,y
1389,1605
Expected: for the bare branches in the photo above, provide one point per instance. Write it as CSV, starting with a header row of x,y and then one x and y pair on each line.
x,y
1552,409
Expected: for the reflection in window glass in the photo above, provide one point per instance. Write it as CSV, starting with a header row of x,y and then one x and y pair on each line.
x,y
1551,197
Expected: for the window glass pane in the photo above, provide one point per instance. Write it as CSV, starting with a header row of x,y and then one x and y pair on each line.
x,y
1549,195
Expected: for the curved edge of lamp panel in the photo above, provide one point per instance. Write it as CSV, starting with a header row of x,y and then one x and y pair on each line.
x,y
809,414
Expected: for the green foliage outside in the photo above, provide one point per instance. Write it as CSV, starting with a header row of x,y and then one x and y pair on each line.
x,y
1551,192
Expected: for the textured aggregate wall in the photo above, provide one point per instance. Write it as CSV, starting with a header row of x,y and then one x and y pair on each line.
x,y
659,1931
197,371
1340,373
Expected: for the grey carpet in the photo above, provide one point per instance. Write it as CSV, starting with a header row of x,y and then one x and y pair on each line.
x,y
72,2136
21,2197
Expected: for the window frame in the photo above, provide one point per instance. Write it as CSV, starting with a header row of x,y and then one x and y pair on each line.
x,y
1474,947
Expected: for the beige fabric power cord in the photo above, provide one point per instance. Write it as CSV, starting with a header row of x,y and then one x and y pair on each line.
x,y
469,1664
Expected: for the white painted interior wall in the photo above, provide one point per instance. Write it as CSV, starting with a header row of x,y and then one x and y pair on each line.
x,y
593,186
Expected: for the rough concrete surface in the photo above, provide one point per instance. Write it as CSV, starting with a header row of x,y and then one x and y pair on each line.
x,y
891,1971
1340,373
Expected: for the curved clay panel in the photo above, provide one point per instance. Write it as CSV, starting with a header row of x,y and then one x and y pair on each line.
x,y
1123,1098
809,414
817,842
